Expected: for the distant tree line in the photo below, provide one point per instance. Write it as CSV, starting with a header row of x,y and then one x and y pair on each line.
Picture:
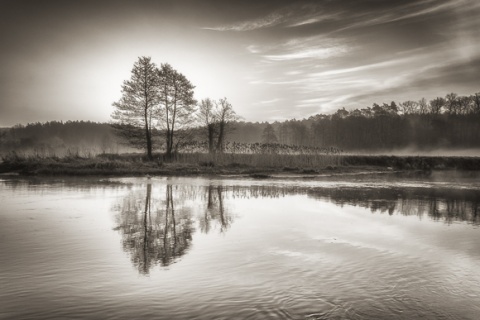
x,y
450,122
58,137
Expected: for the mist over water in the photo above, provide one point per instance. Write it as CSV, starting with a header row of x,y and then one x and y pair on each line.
x,y
382,246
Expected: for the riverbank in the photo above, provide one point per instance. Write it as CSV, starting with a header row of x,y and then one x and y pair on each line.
x,y
259,166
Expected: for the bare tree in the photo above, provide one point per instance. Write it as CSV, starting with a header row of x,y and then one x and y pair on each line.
x,y
135,109
436,105
225,115
451,103
208,119
215,117
422,106
176,105
476,103
408,107
465,104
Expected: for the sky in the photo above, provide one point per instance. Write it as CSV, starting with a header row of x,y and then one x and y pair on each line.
x,y
273,60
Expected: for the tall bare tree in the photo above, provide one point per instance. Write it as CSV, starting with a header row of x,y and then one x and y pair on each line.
x,y
208,119
176,105
225,115
135,109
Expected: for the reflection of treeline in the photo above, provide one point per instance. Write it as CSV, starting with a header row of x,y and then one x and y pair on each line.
x,y
39,184
439,204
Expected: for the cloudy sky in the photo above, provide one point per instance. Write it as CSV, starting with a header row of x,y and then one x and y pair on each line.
x,y
274,60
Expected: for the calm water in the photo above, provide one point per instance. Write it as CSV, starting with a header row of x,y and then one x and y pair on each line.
x,y
351,247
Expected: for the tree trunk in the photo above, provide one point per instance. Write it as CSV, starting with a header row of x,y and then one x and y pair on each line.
x,y
220,137
211,137
145,231
148,136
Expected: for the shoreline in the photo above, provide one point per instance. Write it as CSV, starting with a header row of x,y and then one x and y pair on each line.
x,y
128,165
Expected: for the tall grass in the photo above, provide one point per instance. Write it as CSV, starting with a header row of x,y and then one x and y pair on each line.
x,y
413,162
260,160
75,163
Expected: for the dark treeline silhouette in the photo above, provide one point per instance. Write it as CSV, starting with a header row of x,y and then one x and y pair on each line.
x,y
59,138
450,122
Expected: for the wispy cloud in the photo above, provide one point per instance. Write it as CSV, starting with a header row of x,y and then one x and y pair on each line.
x,y
293,15
307,53
270,20
267,102
297,15
316,47
404,12
378,65
305,21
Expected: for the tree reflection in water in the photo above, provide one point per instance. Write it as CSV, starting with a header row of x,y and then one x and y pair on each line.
x,y
447,205
158,231
215,211
154,231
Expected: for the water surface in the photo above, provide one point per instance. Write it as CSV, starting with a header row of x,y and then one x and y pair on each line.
x,y
356,247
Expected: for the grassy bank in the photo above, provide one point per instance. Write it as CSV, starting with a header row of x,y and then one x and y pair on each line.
x,y
413,162
200,163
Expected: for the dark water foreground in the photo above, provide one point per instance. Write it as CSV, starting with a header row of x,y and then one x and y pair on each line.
x,y
356,247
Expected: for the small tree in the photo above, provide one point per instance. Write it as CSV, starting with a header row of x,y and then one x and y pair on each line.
x,y
135,109
215,117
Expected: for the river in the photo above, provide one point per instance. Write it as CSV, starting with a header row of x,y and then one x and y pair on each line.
x,y
371,246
